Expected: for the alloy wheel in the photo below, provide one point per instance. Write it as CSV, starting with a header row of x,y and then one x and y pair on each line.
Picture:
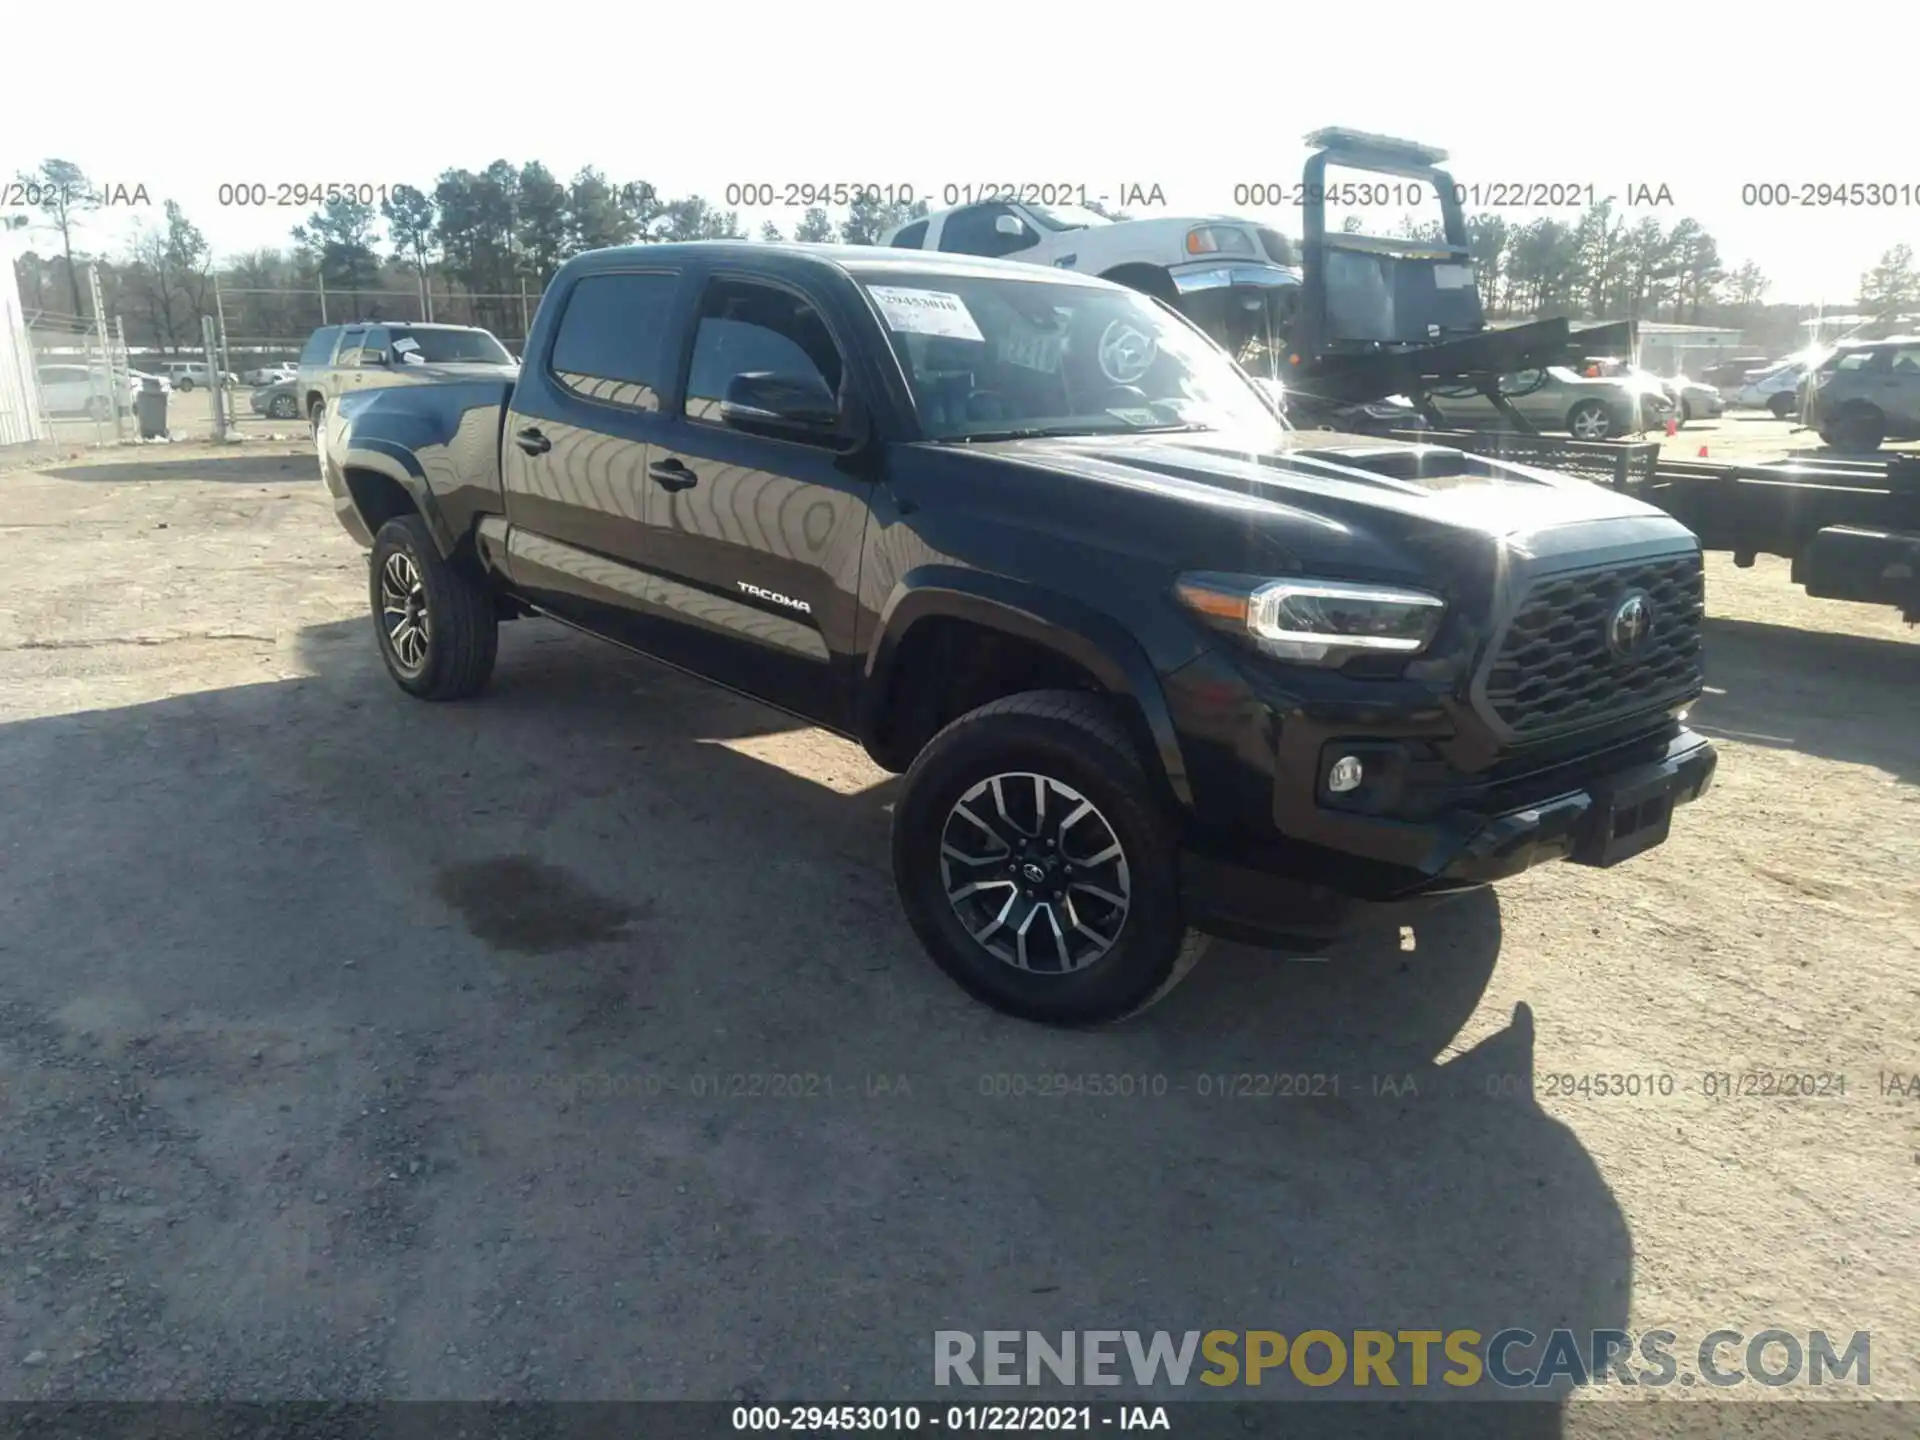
x,y
403,611
1035,873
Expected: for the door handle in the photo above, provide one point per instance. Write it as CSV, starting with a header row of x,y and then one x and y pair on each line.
x,y
672,475
532,441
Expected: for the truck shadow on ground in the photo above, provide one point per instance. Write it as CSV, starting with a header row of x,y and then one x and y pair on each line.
x,y
1839,696
277,466
669,1101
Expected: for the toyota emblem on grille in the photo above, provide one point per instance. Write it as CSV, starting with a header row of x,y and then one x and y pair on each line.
x,y
1630,624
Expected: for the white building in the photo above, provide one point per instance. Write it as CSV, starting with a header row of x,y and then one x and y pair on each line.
x,y
21,422
1685,349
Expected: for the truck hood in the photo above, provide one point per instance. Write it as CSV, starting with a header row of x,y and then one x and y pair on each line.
x,y
1353,480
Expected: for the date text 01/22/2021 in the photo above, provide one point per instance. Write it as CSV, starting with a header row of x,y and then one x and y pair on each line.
x,y
1716,1086
909,1419
800,194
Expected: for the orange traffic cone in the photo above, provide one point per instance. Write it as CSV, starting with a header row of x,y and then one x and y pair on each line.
x,y
1673,427
1703,452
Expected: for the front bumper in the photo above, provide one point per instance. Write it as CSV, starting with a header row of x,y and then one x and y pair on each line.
x,y
1231,275
1389,870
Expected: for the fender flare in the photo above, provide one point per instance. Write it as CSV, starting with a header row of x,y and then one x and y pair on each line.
x,y
1091,639
399,464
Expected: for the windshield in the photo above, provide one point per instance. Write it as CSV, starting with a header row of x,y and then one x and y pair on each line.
x,y
994,356
447,347
1067,217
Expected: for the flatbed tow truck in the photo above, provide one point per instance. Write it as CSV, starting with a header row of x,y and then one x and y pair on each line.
x,y
1379,316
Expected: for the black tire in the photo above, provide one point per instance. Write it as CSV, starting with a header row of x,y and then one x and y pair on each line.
x,y
283,407
1594,417
1686,411
1076,742
1782,406
1859,431
184,384
460,637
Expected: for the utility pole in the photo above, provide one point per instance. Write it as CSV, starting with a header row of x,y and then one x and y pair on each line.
x,y
322,277
220,318
216,392
115,381
126,357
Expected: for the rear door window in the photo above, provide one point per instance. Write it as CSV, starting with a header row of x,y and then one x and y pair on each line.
x,y
611,344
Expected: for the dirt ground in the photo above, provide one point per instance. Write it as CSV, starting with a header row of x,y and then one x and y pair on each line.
x,y
352,1047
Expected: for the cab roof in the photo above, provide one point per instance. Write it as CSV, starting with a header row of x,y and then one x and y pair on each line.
x,y
856,260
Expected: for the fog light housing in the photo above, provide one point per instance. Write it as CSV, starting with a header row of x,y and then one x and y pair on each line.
x,y
1345,774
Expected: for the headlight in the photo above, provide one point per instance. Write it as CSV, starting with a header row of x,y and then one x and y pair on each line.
x,y
1318,622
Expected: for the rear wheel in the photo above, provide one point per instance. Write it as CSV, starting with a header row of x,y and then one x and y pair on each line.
x,y
1782,406
438,627
283,407
1590,420
1037,866
183,384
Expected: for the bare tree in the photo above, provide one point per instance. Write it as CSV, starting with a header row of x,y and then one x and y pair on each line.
x,y
61,191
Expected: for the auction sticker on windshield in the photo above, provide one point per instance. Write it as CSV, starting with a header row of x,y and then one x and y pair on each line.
x,y
926,312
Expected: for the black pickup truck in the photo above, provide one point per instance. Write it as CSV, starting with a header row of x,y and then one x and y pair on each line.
x,y
1155,666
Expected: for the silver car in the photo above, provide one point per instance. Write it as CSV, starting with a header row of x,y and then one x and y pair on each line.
x,y
1556,397
279,401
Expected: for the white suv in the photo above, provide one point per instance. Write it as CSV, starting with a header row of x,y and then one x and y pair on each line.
x,y
186,374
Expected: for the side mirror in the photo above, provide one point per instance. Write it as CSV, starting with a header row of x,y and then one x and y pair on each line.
x,y
1009,225
799,406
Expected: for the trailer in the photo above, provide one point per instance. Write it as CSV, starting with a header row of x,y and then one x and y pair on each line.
x,y
1377,316
1850,526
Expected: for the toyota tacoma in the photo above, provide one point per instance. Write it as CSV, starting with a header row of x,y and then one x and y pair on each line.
x,y
1154,666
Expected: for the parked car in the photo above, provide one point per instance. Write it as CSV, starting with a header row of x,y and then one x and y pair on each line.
x,y
1864,393
1691,400
1778,391
1233,277
269,374
1696,401
278,401
340,359
1152,663
188,375
1556,397
84,390
1734,373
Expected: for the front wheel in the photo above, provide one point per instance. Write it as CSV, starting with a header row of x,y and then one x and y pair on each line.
x,y
184,384
1037,866
1590,420
1860,431
1782,406
282,407
438,627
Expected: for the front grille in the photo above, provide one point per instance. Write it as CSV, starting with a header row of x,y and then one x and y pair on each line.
x,y
1555,669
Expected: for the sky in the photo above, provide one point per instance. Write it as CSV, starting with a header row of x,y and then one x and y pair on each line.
x,y
1195,99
